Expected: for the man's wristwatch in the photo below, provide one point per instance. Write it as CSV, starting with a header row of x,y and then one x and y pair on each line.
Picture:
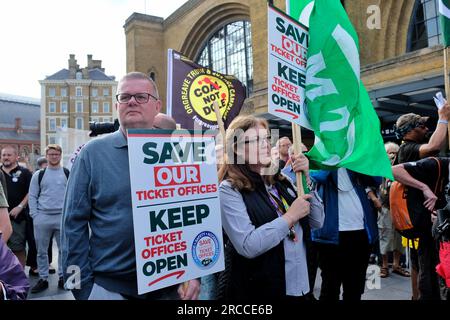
x,y
20,206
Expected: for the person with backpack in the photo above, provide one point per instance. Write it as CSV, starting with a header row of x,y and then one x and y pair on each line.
x,y
424,185
390,239
42,163
412,130
46,196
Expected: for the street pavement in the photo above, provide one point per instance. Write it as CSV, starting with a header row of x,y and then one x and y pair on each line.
x,y
394,287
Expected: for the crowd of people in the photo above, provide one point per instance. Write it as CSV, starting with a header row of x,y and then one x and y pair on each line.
x,y
276,235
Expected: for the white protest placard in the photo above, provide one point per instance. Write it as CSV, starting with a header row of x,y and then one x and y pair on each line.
x,y
176,208
287,49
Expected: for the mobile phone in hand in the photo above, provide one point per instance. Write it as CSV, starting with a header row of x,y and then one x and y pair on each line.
x,y
439,100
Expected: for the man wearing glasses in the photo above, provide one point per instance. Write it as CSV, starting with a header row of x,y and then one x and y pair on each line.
x,y
97,227
46,196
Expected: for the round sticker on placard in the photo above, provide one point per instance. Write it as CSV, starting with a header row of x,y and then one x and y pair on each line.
x,y
205,249
201,89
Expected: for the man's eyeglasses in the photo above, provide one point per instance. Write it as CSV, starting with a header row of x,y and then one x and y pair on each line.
x,y
139,97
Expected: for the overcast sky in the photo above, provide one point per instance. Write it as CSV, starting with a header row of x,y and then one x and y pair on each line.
x,y
37,37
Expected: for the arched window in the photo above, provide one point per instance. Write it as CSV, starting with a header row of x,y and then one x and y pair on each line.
x,y
229,51
425,30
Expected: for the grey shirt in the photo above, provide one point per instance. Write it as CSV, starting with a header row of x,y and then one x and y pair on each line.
x,y
251,242
49,196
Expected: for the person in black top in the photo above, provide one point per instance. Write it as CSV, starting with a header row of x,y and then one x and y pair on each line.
x,y
426,193
17,182
412,130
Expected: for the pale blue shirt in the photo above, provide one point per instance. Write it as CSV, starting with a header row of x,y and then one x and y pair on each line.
x,y
251,242
351,213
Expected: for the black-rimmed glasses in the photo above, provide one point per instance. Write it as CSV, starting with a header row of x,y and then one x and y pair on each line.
x,y
139,97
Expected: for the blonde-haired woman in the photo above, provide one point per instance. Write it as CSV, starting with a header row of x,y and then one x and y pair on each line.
x,y
266,224
390,240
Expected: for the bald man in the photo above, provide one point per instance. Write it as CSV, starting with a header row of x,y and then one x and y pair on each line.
x,y
163,121
17,184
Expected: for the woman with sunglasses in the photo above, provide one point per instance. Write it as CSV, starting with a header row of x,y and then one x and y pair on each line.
x,y
267,227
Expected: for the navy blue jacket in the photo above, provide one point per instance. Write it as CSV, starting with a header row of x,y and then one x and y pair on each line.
x,y
327,182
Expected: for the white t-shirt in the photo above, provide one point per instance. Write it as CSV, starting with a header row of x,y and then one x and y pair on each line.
x,y
351,214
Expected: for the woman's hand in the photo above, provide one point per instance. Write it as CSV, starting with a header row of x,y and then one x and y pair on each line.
x,y
298,209
300,163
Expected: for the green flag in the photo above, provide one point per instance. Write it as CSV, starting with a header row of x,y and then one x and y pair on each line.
x,y
346,127
300,10
444,13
